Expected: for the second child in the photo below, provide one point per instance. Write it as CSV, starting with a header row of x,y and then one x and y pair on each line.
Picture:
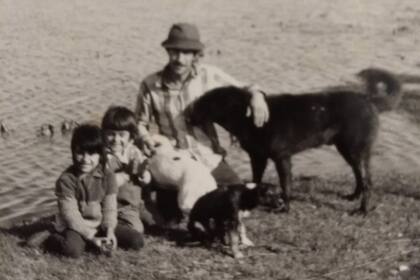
x,y
126,160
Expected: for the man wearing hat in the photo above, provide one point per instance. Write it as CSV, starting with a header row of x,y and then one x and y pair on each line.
x,y
164,95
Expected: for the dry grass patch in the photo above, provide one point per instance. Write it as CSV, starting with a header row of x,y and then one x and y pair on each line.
x,y
318,239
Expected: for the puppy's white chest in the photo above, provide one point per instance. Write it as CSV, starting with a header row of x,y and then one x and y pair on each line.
x,y
244,214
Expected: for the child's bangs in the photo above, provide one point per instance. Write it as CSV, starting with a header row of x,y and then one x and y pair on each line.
x,y
120,118
119,124
87,138
91,146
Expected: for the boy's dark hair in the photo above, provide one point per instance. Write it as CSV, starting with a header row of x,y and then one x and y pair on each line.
x,y
120,118
87,138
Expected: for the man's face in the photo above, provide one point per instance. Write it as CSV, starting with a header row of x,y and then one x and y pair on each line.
x,y
181,61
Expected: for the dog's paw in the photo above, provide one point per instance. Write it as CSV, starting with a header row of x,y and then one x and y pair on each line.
x,y
359,212
351,197
246,242
238,255
280,208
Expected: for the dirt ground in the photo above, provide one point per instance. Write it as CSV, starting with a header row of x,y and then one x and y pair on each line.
x,y
70,60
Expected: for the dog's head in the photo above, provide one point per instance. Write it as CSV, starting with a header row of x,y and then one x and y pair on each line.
x,y
160,144
219,105
269,197
168,167
262,194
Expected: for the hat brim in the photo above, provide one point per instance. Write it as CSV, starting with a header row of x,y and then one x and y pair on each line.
x,y
183,45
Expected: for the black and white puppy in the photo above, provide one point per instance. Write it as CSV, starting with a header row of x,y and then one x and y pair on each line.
x,y
220,212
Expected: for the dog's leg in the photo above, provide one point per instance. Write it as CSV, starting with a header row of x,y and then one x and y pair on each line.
x,y
234,240
357,171
220,231
244,240
360,165
233,223
367,184
350,157
368,174
258,165
201,231
196,230
284,171
355,163
362,188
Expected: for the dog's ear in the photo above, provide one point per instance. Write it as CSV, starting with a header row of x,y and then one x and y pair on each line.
x,y
266,188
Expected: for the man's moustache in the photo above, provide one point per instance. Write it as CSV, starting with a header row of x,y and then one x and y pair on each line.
x,y
178,64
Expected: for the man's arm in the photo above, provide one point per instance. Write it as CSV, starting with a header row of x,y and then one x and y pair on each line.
x,y
143,110
144,116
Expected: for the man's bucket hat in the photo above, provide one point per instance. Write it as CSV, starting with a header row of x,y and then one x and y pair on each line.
x,y
183,36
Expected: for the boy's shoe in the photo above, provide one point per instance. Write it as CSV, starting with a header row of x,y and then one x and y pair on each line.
x,y
37,239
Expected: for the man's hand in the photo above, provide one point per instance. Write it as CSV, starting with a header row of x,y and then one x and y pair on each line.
x,y
258,107
148,146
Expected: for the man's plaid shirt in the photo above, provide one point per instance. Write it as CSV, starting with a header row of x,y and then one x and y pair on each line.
x,y
160,106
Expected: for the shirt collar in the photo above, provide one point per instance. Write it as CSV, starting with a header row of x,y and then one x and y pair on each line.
x,y
98,172
165,78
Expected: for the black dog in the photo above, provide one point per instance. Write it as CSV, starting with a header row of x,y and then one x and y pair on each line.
x,y
347,119
220,212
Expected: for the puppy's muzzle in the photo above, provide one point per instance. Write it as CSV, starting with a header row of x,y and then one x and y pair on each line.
x,y
273,202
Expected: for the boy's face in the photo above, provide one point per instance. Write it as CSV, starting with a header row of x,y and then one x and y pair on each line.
x,y
117,140
85,162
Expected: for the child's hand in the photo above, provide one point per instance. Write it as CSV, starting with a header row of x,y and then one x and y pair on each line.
x,y
112,239
126,153
106,244
121,178
145,178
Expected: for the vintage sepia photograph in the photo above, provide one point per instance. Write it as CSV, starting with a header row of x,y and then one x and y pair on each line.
x,y
209,139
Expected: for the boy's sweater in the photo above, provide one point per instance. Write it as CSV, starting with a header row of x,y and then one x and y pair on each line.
x,y
86,201
129,194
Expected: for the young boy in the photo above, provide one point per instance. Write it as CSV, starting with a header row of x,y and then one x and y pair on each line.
x,y
127,161
86,194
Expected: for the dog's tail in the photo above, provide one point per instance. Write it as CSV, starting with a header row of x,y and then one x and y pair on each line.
x,y
383,88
